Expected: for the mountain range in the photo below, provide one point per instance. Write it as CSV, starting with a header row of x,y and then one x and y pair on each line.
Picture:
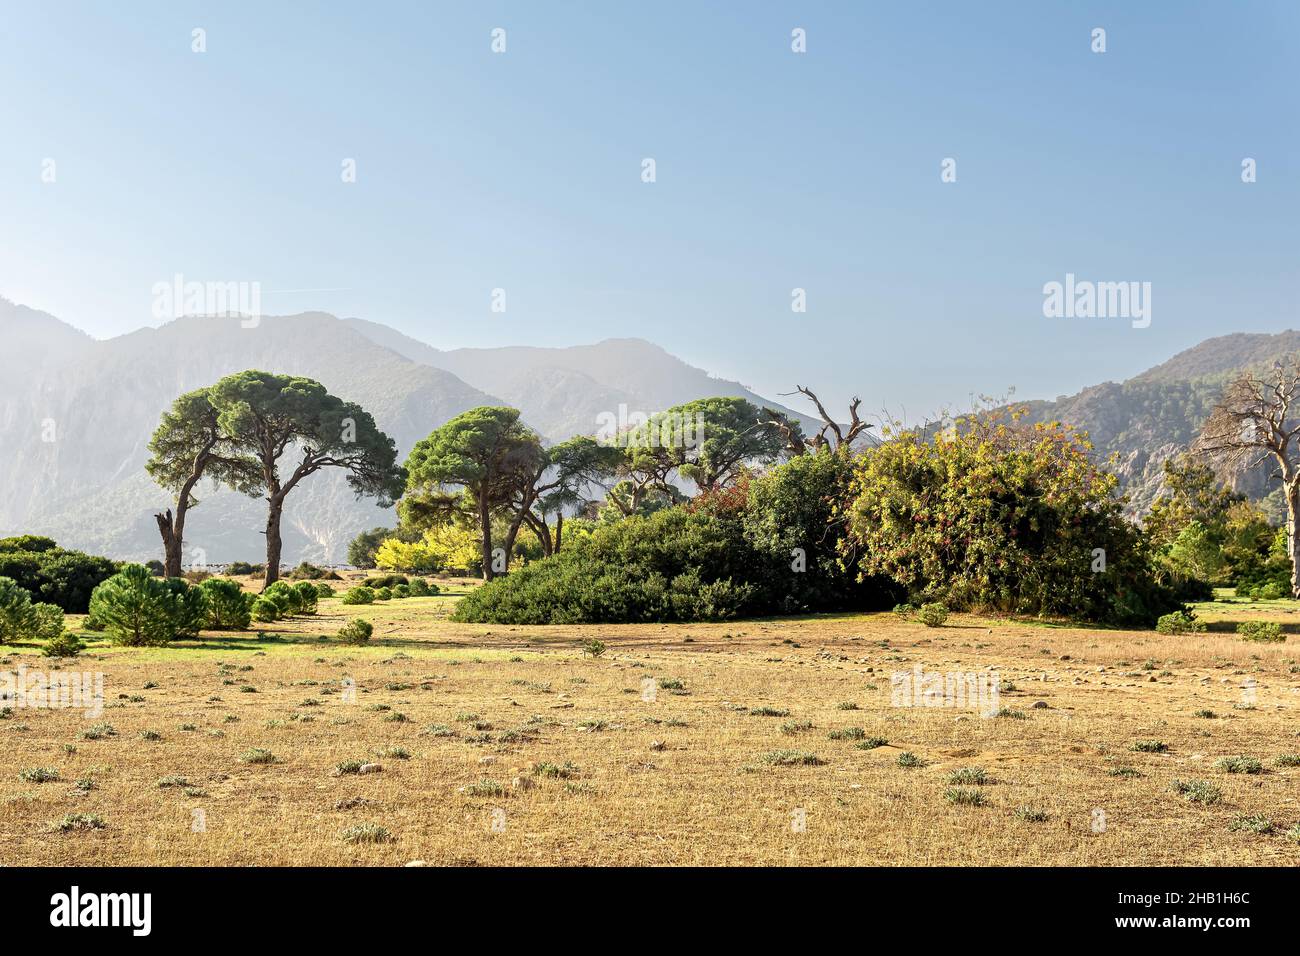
x,y
76,414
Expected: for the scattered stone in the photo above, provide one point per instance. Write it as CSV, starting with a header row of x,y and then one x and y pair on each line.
x,y
369,768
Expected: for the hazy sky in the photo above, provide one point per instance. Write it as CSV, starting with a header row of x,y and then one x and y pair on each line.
x,y
522,170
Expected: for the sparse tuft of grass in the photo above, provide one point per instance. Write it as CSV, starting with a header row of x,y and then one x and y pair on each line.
x,y
258,755
78,823
558,771
1198,791
1031,814
871,743
485,788
39,775
976,776
1149,746
1239,765
964,796
766,711
366,833
848,733
909,759
1255,823
791,758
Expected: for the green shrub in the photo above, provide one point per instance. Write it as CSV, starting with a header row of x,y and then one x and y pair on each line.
x,y
17,613
401,591
356,631
674,565
307,571
242,568
265,610
286,598
54,575
65,644
790,521
385,581
306,592
49,621
359,595
383,594
324,590
932,615
422,588
1179,622
1268,632
31,543
136,609
1000,515
191,607
1273,591
228,606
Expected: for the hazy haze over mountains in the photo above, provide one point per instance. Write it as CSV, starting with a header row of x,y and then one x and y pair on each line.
x,y
76,415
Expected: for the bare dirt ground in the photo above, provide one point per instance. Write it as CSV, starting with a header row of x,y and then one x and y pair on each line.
x,y
507,746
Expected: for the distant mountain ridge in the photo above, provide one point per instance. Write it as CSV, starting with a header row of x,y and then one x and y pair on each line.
x,y
76,415
1157,414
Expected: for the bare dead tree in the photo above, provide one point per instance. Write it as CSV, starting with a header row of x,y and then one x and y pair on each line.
x,y
844,434
1256,421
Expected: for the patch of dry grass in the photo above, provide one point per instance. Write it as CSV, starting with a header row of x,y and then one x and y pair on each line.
x,y
674,770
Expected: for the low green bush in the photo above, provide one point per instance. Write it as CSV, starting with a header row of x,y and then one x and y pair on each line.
x,y
932,615
356,631
65,644
229,606
1179,622
306,592
191,607
52,574
137,609
385,581
1268,632
359,595
265,610
17,614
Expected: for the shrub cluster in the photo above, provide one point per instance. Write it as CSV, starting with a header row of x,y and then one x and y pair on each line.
x,y
1267,632
1179,622
997,516
764,546
51,574
22,619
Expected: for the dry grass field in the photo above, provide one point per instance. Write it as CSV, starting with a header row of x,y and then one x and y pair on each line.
x,y
507,746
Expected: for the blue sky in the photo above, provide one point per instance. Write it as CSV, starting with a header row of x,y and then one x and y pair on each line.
x,y
775,170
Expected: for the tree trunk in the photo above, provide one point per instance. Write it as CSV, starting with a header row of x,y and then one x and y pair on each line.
x,y
485,529
273,542
512,535
542,531
559,531
1293,534
170,531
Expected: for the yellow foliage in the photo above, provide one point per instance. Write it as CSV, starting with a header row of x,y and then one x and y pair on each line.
x,y
442,548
